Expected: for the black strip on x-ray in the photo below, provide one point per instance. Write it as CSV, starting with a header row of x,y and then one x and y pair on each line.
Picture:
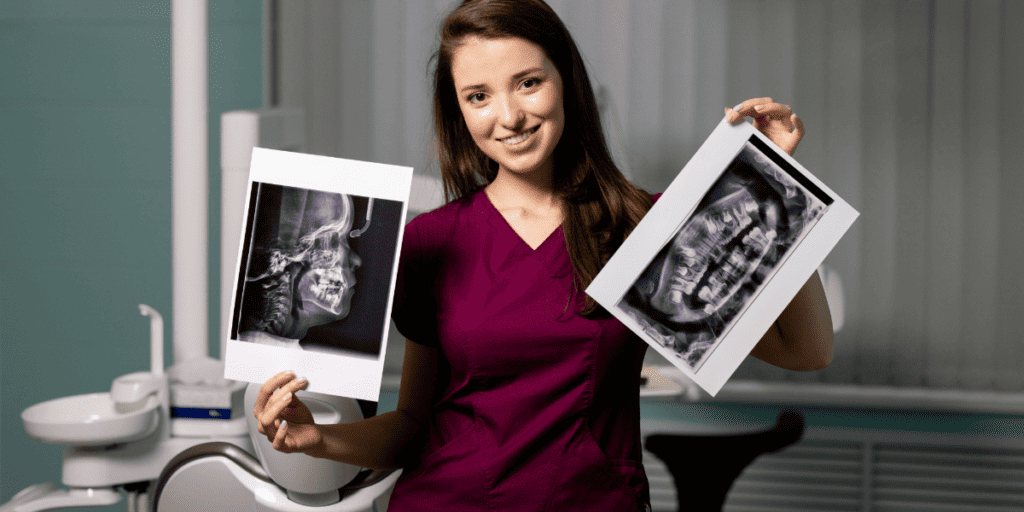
x,y
790,170
236,314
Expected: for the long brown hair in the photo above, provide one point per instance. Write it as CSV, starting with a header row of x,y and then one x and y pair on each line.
x,y
601,206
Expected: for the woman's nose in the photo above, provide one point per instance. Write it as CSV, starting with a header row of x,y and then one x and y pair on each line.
x,y
512,114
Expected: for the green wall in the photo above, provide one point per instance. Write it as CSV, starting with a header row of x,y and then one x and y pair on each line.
x,y
85,177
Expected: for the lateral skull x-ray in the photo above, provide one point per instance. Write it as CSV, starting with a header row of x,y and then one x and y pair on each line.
x,y
721,255
307,272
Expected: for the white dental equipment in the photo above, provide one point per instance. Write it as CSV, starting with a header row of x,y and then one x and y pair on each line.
x,y
116,440
126,440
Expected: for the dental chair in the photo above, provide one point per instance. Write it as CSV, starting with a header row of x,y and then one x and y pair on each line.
x,y
220,476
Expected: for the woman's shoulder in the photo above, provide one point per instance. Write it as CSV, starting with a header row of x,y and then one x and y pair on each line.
x,y
439,224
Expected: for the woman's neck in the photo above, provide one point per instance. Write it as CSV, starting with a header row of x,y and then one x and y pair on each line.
x,y
534,191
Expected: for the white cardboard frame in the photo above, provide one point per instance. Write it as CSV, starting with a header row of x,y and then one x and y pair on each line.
x,y
334,374
674,208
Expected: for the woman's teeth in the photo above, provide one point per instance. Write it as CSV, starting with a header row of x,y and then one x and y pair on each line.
x,y
519,138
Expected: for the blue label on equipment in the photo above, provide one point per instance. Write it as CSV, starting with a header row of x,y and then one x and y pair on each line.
x,y
203,414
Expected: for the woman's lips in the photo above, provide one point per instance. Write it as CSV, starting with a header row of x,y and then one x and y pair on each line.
x,y
519,138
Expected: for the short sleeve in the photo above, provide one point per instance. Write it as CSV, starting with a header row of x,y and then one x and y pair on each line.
x,y
415,307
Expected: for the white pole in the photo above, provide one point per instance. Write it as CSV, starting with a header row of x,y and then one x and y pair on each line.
x,y
189,178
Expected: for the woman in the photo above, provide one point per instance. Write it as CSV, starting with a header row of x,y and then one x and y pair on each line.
x,y
518,393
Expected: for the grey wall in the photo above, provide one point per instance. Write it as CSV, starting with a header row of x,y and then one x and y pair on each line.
x,y
86,195
912,116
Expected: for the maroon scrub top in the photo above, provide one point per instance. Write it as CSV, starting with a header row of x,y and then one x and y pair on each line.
x,y
535,407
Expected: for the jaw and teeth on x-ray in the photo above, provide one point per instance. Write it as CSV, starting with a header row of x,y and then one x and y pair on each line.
x,y
717,250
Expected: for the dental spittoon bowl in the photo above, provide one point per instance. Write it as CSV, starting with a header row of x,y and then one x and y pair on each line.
x,y
89,420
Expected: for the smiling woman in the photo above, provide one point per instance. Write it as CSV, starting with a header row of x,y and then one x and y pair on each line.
x,y
517,392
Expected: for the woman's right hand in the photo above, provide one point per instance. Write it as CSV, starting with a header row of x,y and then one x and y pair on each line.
x,y
283,418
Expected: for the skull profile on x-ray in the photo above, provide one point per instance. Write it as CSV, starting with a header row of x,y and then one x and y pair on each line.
x,y
307,275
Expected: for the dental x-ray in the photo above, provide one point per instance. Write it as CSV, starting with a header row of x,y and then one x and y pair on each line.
x,y
724,250
316,271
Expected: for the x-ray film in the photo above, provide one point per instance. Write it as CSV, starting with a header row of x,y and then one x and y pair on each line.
x,y
722,252
316,271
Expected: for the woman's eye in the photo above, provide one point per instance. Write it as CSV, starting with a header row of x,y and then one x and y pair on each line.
x,y
476,98
532,82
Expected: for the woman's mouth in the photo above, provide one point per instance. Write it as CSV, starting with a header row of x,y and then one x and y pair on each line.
x,y
519,139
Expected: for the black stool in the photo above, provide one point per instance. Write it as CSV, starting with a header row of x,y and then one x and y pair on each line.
x,y
704,467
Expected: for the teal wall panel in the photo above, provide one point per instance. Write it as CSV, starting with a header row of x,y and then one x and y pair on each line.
x,y
87,63
85,178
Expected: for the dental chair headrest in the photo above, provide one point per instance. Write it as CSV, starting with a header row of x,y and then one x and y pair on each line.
x,y
306,478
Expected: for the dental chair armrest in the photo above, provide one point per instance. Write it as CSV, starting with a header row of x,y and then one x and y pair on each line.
x,y
212,449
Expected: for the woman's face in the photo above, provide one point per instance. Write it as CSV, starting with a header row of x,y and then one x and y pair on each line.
x,y
510,94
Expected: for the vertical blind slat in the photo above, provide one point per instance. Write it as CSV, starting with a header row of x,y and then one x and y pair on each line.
x,y
416,90
323,50
355,79
843,128
679,33
388,66
1009,334
292,51
912,52
945,179
610,56
744,65
711,70
647,99
878,252
981,191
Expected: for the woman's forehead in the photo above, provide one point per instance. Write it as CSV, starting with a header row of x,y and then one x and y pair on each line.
x,y
479,60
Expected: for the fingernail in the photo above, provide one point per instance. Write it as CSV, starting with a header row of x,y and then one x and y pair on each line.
x,y
758,107
287,396
302,379
284,423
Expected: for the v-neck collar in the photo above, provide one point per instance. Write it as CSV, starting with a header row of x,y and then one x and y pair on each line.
x,y
498,221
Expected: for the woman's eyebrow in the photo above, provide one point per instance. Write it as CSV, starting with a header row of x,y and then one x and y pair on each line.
x,y
515,77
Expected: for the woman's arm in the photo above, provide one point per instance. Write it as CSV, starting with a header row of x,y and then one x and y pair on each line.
x,y
801,338
379,442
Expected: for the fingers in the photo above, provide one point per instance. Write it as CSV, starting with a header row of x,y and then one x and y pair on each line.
x,y
280,436
786,138
790,140
772,112
798,124
775,120
746,108
279,401
269,387
275,395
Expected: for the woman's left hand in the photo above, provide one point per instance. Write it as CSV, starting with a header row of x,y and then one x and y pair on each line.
x,y
775,120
